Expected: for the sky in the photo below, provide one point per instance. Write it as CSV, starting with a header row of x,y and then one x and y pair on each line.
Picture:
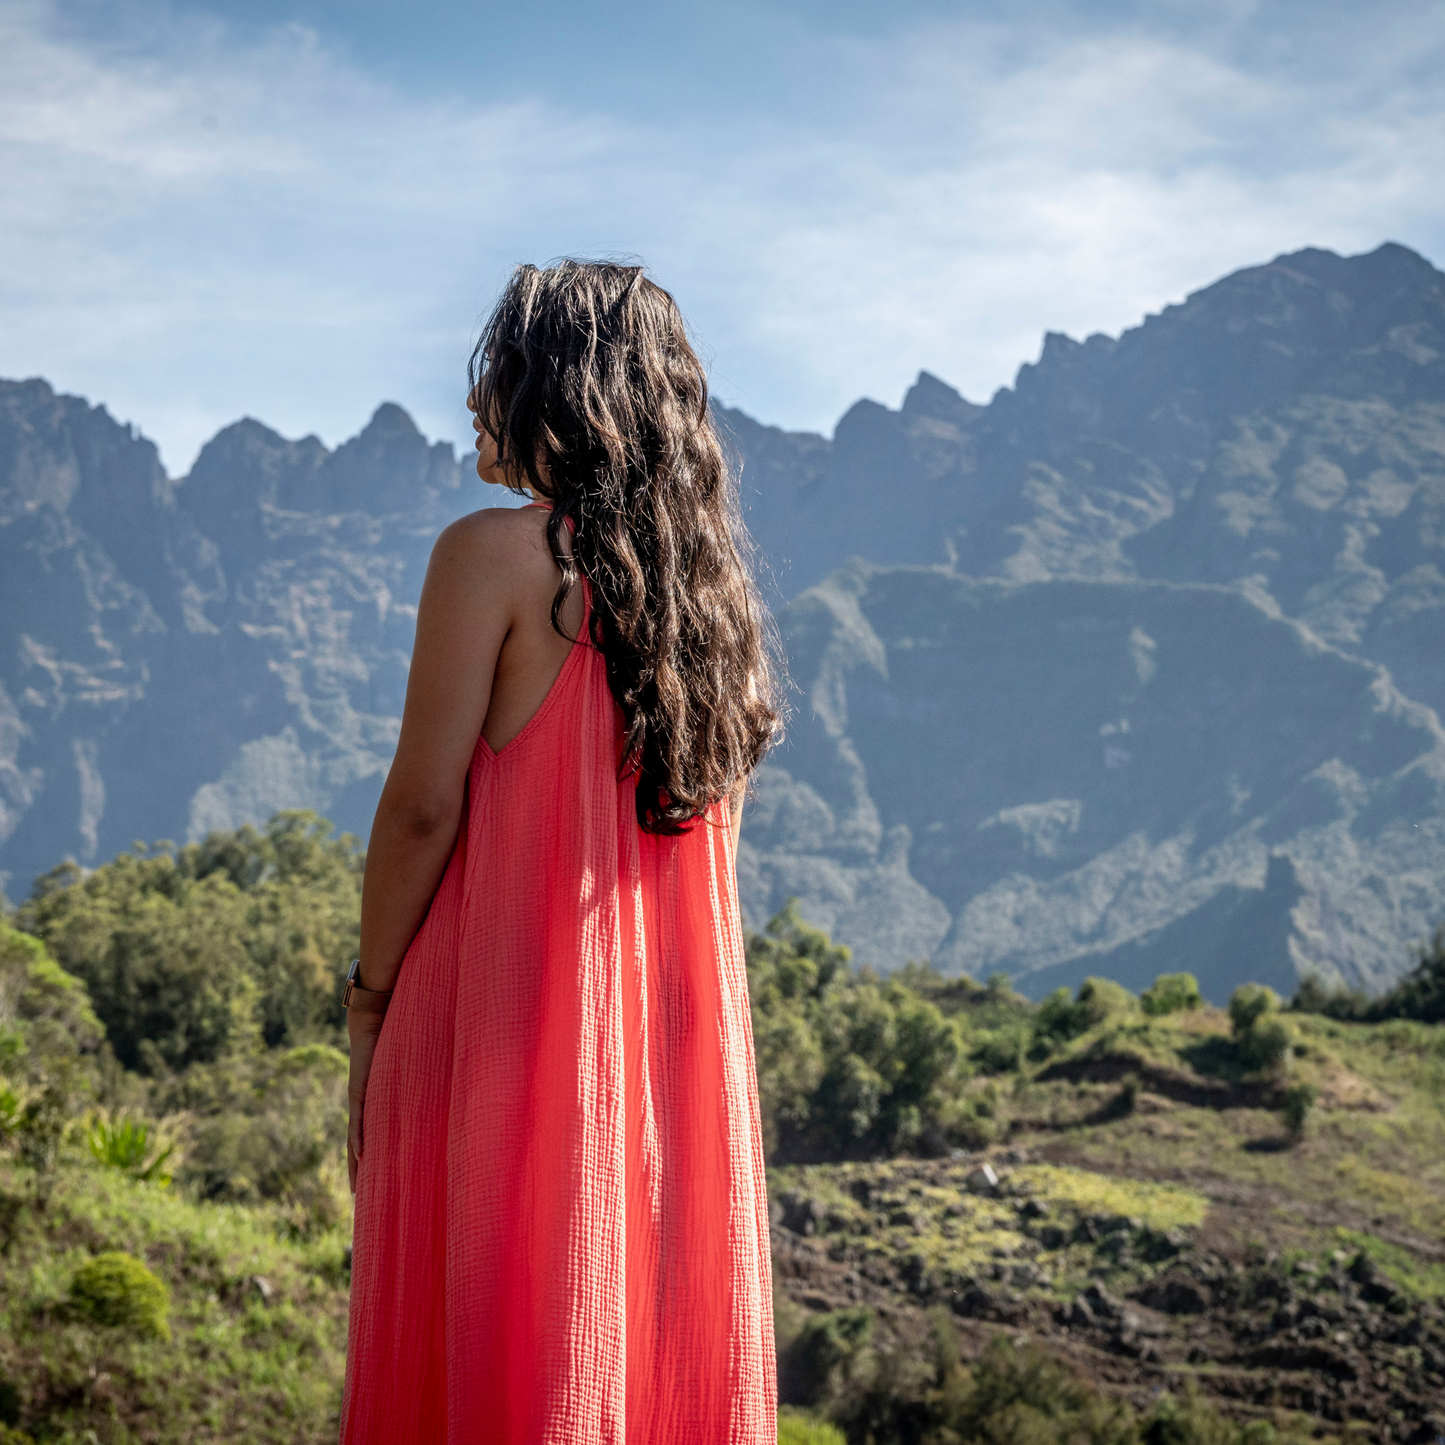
x,y
297,209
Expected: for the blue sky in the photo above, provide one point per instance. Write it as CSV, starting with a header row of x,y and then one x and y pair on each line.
x,y
296,210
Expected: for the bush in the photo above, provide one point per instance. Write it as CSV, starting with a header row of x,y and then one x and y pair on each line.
x,y
1060,1018
796,1429
1018,1393
1420,995
1266,1046
270,1126
127,1144
116,1289
1262,1038
1299,1100
49,1038
188,954
850,1065
824,1358
1248,1004
1171,993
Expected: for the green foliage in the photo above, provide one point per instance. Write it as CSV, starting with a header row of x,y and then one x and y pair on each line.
x,y
1262,1038
850,1065
799,1429
239,1366
1014,1394
1171,993
48,1041
824,1359
130,1145
1060,1018
1420,995
1299,1100
1266,1045
187,954
1017,1393
1193,1421
116,1289
1248,1004
268,1127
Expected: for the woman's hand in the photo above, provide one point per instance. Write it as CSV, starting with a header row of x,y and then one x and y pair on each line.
x,y
364,1030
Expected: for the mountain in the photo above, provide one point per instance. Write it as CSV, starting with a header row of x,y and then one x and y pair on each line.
x,y
1142,669
182,656
1184,721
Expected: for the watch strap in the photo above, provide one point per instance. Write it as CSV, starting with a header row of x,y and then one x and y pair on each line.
x,y
363,1000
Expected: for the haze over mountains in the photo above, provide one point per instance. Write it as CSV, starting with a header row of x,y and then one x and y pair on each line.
x,y
1142,669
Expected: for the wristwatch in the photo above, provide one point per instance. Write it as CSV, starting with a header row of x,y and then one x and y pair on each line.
x,y
363,1000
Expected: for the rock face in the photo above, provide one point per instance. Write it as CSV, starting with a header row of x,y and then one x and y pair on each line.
x,y
1142,670
180,656
1149,696
1065,778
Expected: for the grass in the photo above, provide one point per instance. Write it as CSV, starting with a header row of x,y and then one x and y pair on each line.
x,y
240,1365
1158,1206
1373,1154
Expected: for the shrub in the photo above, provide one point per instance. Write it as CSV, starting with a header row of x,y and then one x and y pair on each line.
x,y
794,1429
1266,1045
1248,1004
127,1144
1299,1100
850,1065
188,953
49,1037
271,1126
1420,995
824,1357
1171,993
1016,1392
116,1289
1193,1421
1059,1018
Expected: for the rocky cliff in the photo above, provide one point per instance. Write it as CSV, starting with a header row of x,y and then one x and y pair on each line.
x,y
1142,670
180,656
1188,721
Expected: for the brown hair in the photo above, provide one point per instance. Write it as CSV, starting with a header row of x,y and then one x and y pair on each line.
x,y
584,370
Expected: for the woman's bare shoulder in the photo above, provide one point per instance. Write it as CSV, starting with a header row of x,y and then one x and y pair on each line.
x,y
508,543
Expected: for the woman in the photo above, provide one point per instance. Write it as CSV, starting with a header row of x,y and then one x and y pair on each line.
x,y
561,1221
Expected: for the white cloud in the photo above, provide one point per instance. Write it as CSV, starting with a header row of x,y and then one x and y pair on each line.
x,y
211,227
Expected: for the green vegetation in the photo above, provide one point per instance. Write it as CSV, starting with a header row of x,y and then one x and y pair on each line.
x,y
174,1220
1172,993
189,954
1012,1394
116,1289
173,1208
1264,1040
852,1065
1420,995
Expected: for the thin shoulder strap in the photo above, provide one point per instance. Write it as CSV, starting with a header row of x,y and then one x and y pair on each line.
x,y
586,585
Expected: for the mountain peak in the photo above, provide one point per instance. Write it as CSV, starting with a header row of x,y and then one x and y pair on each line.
x,y
389,420
929,396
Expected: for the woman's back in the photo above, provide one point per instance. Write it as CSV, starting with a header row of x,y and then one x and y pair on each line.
x,y
561,1216
561,1224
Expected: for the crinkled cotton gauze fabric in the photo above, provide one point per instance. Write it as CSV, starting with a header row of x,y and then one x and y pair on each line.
x,y
561,1215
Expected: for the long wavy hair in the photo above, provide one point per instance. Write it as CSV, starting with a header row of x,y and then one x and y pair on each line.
x,y
585,377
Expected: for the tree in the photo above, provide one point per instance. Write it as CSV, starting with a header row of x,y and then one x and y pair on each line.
x,y
194,952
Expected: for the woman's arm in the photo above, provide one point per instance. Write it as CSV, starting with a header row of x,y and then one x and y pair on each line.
x,y
464,617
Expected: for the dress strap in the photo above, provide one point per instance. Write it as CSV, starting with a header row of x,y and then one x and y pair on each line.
x,y
586,585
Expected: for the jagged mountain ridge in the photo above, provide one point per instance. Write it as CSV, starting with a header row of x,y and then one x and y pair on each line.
x,y
1280,433
186,655
1269,455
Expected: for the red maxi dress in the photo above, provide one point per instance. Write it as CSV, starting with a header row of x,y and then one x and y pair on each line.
x,y
561,1220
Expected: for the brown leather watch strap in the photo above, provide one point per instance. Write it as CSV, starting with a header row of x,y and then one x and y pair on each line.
x,y
363,1000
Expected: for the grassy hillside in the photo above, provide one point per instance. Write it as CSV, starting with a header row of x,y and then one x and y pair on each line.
x,y
1102,1218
